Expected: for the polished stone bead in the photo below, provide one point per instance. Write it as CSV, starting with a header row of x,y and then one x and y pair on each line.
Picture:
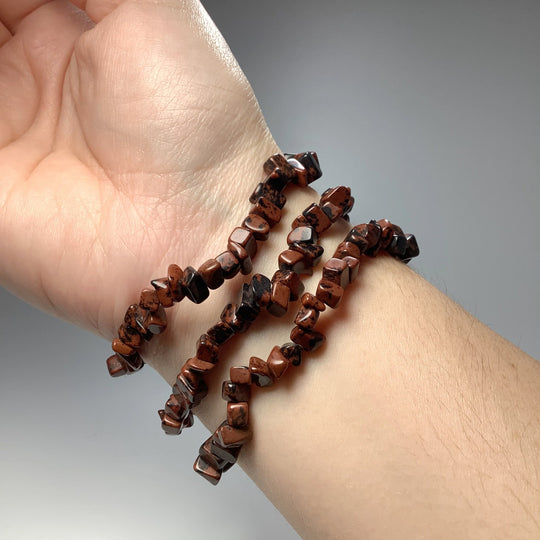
x,y
176,274
133,363
228,455
357,239
207,349
277,363
312,254
339,196
129,336
267,210
302,235
258,226
398,246
330,293
240,375
248,310
300,221
354,267
116,366
177,407
199,366
149,300
193,388
266,190
336,271
306,318
194,286
412,248
367,237
163,291
230,265
231,391
220,332
245,238
134,318
260,372
293,353
279,301
387,231
188,420
309,340
292,260
312,168
156,322
238,415
246,266
279,171
228,436
170,425
206,470
230,317
205,452
347,249
122,348
332,211
317,218
211,273
292,281
309,300
262,289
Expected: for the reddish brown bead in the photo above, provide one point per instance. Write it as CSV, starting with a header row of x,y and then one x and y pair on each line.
x,y
412,248
338,196
258,226
248,310
228,455
302,235
231,391
245,238
220,332
267,210
177,407
207,349
206,470
347,249
262,289
176,274
149,300
279,302
279,172
317,218
194,286
398,246
170,425
238,415
122,348
312,168
264,189
229,436
310,301
292,260
134,318
330,293
133,363
116,366
293,353
246,266
387,231
156,322
229,264
129,336
366,237
312,254
292,281
240,375
205,452
332,211
199,366
260,372
163,291
194,389
309,340
211,273
230,317
306,318
354,266
300,221
336,271
277,363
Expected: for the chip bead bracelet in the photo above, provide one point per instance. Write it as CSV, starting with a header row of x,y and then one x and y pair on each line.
x,y
146,319
260,293
221,450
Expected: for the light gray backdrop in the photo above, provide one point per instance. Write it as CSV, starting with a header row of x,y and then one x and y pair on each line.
x,y
430,110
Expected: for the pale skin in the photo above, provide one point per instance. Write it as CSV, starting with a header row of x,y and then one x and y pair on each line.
x,y
131,139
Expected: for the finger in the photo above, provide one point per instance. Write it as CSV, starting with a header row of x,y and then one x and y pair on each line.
x,y
5,34
97,9
12,12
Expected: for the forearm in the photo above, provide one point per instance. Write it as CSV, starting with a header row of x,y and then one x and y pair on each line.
x,y
414,417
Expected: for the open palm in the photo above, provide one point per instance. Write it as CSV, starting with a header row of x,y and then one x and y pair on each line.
x,y
127,133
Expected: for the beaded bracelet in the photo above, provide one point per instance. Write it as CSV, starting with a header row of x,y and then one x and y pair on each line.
x,y
147,318
302,255
221,450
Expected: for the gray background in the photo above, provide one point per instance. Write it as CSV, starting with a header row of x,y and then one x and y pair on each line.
x,y
431,112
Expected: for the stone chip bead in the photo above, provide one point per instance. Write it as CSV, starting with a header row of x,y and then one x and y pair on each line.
x,y
230,265
354,267
156,321
228,436
116,366
265,190
199,366
129,336
177,407
311,169
292,260
260,373
133,362
228,456
311,301
238,414
194,286
367,237
309,340
258,226
398,246
244,238
267,210
220,332
302,235
330,293
204,469
312,254
149,299
345,249
306,318
262,289
292,281
317,218
387,231
176,274
279,301
170,425
277,363
337,271
163,291
212,273
412,248
279,172
122,348
293,353
248,310
240,375
231,391
207,349
246,266
339,196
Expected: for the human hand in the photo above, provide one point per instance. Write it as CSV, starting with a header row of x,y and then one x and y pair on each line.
x,y
128,133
